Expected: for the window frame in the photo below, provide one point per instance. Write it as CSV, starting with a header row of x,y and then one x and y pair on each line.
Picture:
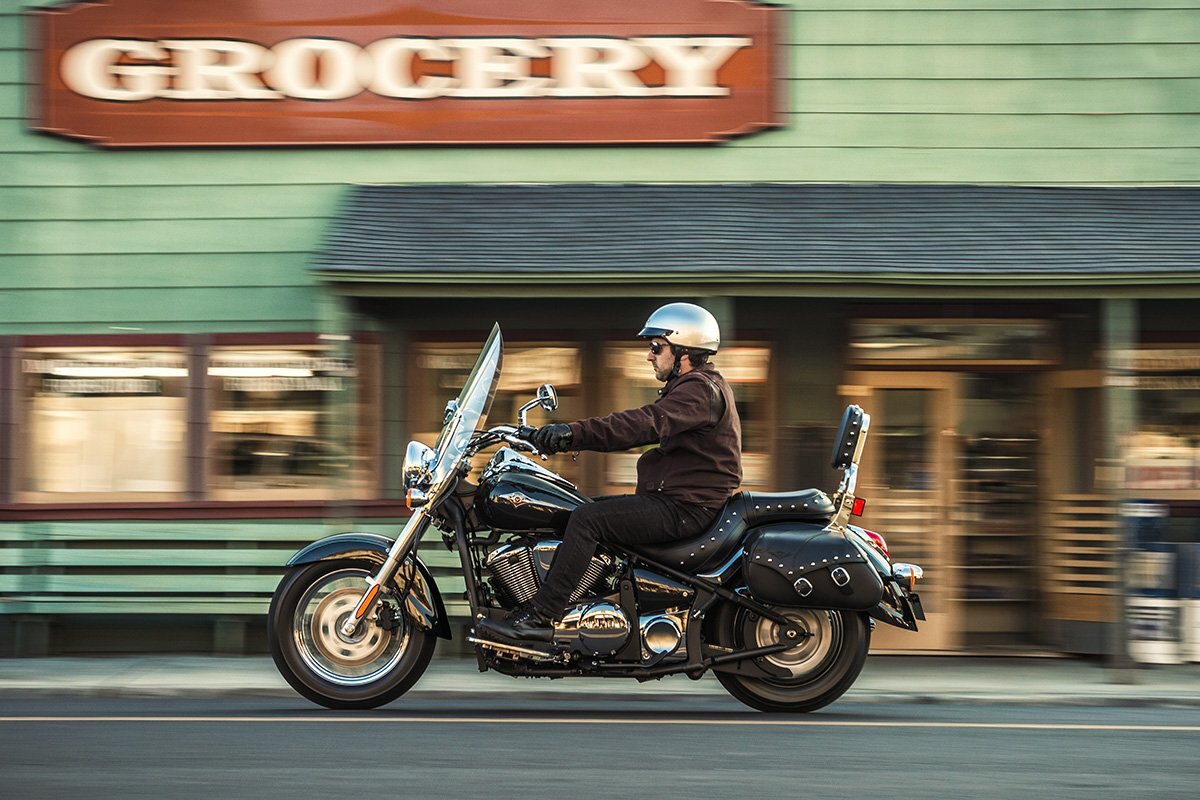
x,y
198,498
20,440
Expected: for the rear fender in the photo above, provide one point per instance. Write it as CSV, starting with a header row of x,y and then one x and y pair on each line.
x,y
424,601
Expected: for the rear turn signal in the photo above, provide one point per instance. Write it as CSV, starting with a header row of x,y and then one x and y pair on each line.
x,y
907,575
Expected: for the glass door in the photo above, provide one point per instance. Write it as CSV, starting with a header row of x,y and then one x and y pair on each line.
x,y
906,476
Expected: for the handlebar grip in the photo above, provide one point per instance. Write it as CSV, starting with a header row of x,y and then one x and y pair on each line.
x,y
525,431
518,442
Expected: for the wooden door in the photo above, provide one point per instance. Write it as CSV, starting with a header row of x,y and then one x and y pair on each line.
x,y
907,478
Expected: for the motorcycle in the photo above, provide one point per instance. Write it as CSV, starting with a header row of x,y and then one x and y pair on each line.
x,y
778,598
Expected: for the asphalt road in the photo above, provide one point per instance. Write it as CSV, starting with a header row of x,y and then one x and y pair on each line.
x,y
669,748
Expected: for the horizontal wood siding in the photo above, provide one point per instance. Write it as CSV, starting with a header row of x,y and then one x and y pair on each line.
x,y
879,91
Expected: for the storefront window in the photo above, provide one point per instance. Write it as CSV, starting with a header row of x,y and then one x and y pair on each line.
x,y
441,369
1012,341
1164,452
746,369
281,424
102,423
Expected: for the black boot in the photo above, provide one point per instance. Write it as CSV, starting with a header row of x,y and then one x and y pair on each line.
x,y
524,624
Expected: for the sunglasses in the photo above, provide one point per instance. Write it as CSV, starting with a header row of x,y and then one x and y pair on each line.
x,y
657,347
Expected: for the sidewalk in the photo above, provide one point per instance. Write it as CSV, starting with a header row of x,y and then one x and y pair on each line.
x,y
885,679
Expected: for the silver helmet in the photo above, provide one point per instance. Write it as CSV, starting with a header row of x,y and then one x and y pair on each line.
x,y
684,325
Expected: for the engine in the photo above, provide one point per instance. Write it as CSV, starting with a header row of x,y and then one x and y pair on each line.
x,y
517,571
595,627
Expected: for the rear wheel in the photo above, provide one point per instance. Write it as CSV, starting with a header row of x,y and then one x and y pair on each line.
x,y
380,661
825,662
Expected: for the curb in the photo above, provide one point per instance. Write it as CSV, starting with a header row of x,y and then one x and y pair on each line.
x,y
862,697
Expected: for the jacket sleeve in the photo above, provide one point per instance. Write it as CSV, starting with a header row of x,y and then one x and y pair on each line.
x,y
686,406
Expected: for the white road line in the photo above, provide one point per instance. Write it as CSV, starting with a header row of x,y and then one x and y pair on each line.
x,y
788,723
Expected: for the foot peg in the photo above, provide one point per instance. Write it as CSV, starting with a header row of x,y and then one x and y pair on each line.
x,y
523,625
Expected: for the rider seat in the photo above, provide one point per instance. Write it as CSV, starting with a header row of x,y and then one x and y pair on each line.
x,y
741,512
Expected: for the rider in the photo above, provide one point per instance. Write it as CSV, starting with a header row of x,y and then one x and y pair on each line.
x,y
682,484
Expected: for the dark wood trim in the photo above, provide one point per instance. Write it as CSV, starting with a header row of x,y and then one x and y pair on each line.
x,y
197,417
952,366
8,458
14,512
573,337
176,339
957,311
234,339
1184,508
104,340
1181,339
477,337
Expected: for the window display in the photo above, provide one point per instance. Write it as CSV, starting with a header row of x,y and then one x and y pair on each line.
x,y
1164,452
441,369
103,423
274,423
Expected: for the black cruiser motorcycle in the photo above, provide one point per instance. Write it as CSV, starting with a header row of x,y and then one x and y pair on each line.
x,y
777,599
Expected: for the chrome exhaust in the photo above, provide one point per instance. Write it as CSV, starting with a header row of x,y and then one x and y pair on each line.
x,y
523,652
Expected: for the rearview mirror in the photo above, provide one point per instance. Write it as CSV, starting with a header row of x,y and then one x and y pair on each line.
x,y
547,397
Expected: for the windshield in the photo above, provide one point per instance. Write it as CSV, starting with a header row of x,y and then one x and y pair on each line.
x,y
473,403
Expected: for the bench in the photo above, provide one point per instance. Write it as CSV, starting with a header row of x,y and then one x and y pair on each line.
x,y
225,570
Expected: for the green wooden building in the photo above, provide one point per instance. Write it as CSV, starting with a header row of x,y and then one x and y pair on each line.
x,y
978,219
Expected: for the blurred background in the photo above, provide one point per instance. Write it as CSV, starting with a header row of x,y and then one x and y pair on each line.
x,y
976,219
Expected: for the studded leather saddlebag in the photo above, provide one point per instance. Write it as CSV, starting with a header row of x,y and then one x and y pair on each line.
x,y
807,566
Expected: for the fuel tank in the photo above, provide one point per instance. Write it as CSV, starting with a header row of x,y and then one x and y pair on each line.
x,y
515,494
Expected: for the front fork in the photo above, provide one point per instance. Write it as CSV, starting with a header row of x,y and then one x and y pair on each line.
x,y
405,543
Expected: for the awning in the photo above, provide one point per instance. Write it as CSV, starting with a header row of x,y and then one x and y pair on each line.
x,y
765,233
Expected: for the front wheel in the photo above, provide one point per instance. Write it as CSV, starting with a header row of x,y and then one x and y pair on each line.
x,y
818,670
380,661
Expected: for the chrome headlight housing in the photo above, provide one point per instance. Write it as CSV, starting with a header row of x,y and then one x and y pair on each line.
x,y
418,460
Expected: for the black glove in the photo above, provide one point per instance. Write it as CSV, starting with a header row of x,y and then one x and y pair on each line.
x,y
551,439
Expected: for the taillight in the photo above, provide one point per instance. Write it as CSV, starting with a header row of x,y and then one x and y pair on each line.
x,y
879,542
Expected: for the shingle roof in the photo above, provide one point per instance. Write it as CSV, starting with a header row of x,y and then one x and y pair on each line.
x,y
769,231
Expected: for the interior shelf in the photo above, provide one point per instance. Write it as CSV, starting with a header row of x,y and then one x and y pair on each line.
x,y
997,546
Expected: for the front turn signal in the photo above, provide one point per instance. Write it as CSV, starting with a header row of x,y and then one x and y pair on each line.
x,y
415,499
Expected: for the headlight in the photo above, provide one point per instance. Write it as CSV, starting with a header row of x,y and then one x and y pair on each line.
x,y
418,459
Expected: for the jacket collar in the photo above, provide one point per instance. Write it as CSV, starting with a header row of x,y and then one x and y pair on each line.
x,y
674,381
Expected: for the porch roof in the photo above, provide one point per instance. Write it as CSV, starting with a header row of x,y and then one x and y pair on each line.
x,y
764,233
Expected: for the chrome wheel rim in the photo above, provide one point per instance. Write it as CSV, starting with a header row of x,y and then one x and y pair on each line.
x,y
367,655
821,635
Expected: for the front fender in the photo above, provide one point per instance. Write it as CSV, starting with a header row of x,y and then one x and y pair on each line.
x,y
423,602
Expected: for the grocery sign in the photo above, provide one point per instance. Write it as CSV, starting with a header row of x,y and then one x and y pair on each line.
x,y
147,73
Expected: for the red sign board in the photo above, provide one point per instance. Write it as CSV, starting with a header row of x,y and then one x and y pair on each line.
x,y
144,73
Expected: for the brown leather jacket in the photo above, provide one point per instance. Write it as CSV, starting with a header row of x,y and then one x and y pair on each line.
x,y
694,422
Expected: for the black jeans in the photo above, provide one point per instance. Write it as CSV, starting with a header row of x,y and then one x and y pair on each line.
x,y
629,519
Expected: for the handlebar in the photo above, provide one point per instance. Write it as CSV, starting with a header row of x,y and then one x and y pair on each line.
x,y
517,437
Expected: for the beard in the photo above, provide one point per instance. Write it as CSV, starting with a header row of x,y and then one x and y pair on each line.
x,y
663,374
